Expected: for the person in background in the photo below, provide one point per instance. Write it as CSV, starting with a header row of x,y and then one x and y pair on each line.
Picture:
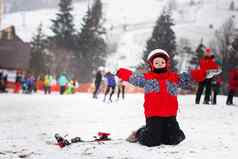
x,y
5,80
111,85
215,88
70,87
232,85
38,81
98,81
47,83
210,68
18,82
31,80
121,89
1,82
24,84
62,81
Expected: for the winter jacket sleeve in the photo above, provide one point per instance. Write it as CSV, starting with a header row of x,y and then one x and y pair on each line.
x,y
186,79
134,78
137,79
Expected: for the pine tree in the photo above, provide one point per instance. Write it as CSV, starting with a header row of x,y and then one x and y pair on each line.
x,y
91,46
38,60
96,14
232,6
192,3
163,37
172,5
63,26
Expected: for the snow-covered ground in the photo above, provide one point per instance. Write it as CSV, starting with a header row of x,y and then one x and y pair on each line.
x,y
28,124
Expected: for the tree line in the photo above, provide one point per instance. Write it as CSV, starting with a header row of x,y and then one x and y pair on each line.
x,y
68,50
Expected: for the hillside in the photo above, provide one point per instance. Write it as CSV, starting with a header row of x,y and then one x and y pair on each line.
x,y
130,22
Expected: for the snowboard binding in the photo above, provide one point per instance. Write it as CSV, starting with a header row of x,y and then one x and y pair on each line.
x,y
102,136
76,139
62,142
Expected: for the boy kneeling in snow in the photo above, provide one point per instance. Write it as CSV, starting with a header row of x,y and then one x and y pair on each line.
x,y
160,105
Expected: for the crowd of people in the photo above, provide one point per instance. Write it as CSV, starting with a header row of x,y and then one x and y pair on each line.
x,y
27,83
209,79
107,83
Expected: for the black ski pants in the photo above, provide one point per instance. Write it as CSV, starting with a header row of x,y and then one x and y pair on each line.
x,y
229,100
204,84
160,130
97,86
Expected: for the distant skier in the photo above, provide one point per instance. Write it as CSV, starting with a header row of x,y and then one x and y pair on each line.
x,y
121,86
111,85
232,85
98,80
161,105
62,81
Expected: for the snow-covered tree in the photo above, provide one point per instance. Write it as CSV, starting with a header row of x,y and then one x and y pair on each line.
x,y
186,55
232,6
62,60
91,48
39,58
163,37
63,26
172,5
224,40
192,2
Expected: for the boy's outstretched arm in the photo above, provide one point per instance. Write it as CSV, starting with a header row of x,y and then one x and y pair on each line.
x,y
134,78
186,79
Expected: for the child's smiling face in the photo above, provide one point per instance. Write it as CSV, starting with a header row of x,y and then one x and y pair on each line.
x,y
159,62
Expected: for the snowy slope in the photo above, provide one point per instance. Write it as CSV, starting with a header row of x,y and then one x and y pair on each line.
x,y
192,22
26,23
28,124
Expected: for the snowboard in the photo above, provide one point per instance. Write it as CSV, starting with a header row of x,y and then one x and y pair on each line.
x,y
213,73
62,141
